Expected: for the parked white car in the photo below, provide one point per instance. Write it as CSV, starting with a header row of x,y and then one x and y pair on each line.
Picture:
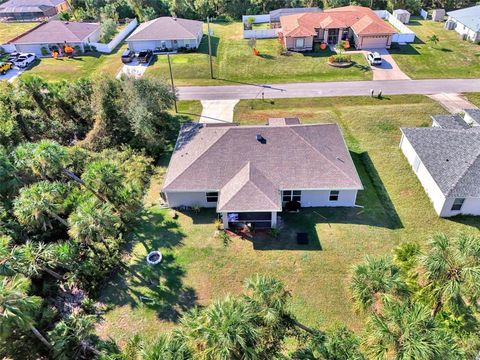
x,y
374,58
25,59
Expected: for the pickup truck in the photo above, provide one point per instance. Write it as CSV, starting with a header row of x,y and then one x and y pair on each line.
x,y
145,56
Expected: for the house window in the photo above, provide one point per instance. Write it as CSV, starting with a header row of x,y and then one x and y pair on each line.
x,y
334,195
212,196
292,195
299,43
457,204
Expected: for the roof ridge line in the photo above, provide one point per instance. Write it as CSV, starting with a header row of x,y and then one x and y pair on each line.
x,y
318,152
463,174
198,157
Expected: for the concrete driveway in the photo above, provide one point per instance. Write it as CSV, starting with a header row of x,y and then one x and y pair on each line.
x,y
453,102
12,74
217,111
134,69
389,69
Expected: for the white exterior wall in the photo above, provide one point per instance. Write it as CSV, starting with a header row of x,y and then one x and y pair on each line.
x,y
463,30
138,46
313,198
471,206
431,188
176,199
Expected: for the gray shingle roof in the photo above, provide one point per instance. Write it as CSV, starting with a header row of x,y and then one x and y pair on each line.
x,y
57,31
470,17
452,157
167,28
249,174
450,122
276,14
474,114
30,3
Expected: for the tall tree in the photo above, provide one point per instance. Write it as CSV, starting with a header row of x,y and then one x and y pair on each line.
x,y
452,272
40,203
17,307
33,258
407,331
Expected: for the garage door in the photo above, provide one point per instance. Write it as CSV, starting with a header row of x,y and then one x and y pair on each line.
x,y
374,42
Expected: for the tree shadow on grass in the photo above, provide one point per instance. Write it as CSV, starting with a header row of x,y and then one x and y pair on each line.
x,y
158,287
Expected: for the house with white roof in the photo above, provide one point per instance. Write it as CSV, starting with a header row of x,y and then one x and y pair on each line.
x,y
467,22
446,159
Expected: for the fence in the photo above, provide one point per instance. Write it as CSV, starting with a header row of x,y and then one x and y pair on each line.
x,y
260,34
405,35
108,48
258,18
423,14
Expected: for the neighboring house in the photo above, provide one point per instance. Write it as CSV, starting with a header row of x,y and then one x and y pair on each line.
x,y
166,33
56,34
276,14
301,31
31,9
446,159
467,22
249,173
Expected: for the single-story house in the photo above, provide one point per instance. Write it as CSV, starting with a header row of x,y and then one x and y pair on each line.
x,y
301,31
275,15
31,9
467,22
249,173
56,34
166,33
446,159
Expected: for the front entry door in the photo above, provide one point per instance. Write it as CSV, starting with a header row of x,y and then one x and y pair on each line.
x,y
333,36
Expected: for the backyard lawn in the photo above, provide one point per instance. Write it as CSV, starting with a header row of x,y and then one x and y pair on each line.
x,y
234,62
197,267
9,30
78,67
450,58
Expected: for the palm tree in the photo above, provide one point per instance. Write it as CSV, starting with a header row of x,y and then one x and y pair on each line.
x,y
32,258
452,272
39,203
38,90
373,279
434,40
225,330
72,337
167,347
93,222
45,159
16,307
407,331
105,178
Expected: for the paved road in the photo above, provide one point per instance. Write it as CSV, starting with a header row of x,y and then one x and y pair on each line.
x,y
323,89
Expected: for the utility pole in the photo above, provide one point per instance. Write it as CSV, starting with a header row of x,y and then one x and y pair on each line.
x,y
173,85
209,48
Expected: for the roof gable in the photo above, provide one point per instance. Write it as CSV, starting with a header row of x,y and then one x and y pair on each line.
x,y
167,28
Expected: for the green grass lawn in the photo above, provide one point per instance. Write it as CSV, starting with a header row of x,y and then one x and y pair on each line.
x,y
450,58
474,98
78,67
234,62
9,30
198,268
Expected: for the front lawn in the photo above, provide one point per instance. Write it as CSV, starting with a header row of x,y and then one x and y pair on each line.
x,y
450,58
78,67
234,62
198,267
10,30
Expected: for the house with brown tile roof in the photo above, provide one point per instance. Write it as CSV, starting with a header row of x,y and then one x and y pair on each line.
x,y
250,173
166,33
357,23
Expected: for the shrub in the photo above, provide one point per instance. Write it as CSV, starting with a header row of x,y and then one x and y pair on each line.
x,y
250,22
44,51
218,223
225,238
338,59
109,28
196,209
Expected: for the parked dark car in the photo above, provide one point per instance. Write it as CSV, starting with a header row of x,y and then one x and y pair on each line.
x,y
128,56
145,56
